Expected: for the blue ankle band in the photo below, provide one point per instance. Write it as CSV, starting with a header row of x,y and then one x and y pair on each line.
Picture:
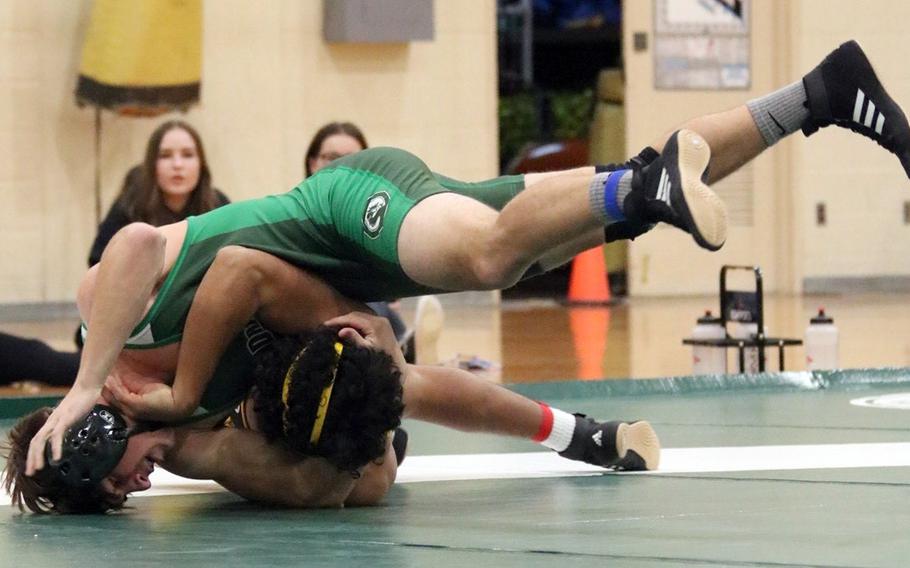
x,y
612,207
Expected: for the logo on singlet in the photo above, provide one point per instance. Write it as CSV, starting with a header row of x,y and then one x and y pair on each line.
x,y
374,214
257,337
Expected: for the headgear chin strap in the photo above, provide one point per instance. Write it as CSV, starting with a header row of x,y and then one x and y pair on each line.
x,y
92,448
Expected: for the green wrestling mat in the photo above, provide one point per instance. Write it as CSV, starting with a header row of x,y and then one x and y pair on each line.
x,y
787,469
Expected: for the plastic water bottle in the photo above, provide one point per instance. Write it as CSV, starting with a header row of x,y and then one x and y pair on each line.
x,y
746,330
707,360
821,342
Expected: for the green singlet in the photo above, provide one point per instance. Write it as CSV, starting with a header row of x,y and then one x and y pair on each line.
x,y
340,224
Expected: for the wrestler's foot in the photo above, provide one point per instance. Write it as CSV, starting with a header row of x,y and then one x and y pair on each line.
x,y
630,446
429,319
628,230
420,344
672,189
844,90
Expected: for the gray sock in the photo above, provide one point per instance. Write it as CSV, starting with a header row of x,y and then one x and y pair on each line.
x,y
606,199
780,113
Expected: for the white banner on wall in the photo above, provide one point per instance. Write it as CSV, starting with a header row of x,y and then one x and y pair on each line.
x,y
702,44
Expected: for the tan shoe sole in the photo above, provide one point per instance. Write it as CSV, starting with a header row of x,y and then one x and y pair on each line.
x,y
640,438
428,324
708,212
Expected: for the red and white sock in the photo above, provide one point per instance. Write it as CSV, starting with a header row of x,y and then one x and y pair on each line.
x,y
556,428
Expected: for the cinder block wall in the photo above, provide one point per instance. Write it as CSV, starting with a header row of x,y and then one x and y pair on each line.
x,y
269,81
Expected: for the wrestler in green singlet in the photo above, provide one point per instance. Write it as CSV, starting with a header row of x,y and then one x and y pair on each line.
x,y
340,224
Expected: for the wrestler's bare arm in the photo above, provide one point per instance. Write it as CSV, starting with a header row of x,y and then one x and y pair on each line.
x,y
244,463
375,481
241,283
130,267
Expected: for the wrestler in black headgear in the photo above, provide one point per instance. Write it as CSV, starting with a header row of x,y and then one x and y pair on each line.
x,y
92,448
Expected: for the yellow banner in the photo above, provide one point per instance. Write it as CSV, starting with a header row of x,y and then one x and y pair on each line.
x,y
142,53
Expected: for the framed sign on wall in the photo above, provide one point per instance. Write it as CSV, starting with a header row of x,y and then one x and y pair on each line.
x,y
702,44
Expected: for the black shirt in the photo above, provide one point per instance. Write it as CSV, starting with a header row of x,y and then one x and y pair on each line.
x,y
117,218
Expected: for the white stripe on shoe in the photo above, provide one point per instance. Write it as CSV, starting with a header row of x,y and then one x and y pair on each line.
x,y
870,115
663,188
858,106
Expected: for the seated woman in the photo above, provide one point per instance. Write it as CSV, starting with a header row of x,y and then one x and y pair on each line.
x,y
173,182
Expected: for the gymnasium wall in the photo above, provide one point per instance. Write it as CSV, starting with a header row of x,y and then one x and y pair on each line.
x,y
269,81
773,201
863,187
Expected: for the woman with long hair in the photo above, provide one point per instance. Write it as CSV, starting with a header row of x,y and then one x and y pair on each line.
x,y
332,141
172,182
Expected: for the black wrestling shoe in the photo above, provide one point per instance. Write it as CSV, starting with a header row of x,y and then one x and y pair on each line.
x,y
628,230
628,446
400,444
672,189
843,90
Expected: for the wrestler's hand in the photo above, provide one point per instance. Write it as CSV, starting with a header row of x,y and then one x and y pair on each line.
x,y
74,406
152,401
372,332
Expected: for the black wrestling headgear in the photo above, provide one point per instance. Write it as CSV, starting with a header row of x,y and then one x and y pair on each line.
x,y
92,448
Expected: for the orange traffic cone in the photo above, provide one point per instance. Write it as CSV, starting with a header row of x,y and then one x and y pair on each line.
x,y
588,281
590,327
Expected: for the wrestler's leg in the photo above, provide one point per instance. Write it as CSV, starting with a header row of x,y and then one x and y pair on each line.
x,y
457,399
450,241
31,359
842,90
733,137
497,192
